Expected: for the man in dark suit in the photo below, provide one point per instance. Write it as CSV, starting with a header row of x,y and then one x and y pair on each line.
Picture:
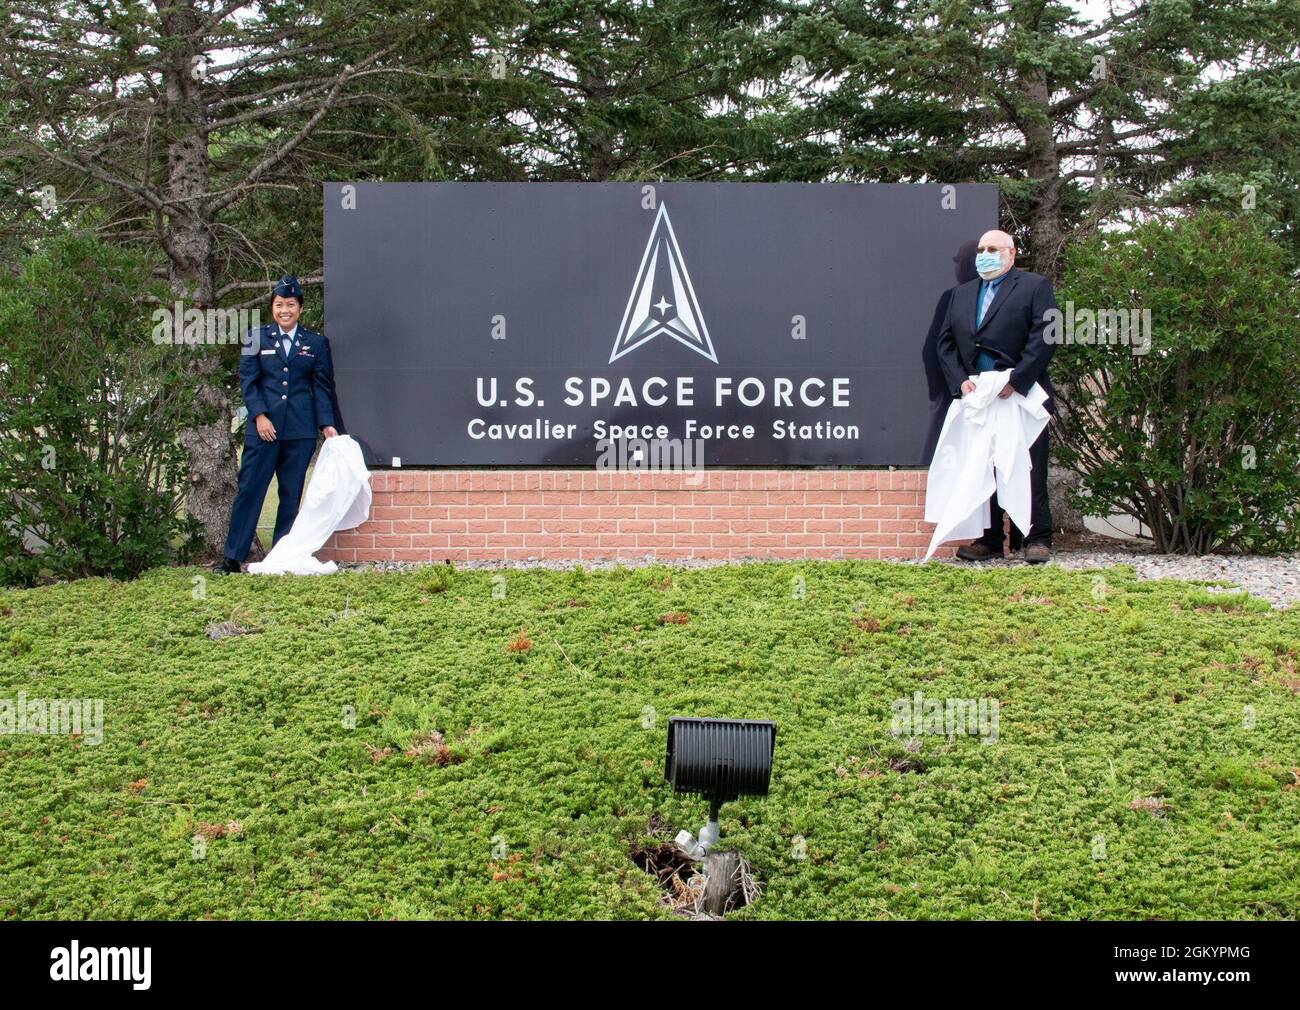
x,y
284,377
997,323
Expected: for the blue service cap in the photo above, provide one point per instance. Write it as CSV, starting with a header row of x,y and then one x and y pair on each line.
x,y
287,287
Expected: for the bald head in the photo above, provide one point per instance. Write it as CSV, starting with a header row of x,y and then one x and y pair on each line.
x,y
999,244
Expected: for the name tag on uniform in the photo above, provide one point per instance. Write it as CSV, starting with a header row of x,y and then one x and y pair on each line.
x,y
271,351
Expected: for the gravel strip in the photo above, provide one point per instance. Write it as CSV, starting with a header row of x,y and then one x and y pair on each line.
x,y
1275,579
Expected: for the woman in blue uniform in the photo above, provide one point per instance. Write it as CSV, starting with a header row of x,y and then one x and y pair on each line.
x,y
284,375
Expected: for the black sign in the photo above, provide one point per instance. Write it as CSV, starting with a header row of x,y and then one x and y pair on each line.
x,y
546,324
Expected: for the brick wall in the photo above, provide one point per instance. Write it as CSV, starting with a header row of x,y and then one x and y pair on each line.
x,y
584,515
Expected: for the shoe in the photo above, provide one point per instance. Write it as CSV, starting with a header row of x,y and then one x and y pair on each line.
x,y
227,566
977,551
1037,554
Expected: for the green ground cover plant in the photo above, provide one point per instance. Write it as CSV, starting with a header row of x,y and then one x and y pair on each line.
x,y
482,744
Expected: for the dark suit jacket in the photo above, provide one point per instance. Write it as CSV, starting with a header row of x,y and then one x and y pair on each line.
x,y
1012,331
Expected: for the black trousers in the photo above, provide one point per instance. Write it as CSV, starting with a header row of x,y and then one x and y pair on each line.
x,y
1040,511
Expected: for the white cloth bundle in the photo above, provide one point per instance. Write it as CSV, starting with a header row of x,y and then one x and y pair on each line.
x,y
984,447
338,498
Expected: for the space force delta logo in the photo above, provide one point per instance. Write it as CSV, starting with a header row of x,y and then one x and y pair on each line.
x,y
674,312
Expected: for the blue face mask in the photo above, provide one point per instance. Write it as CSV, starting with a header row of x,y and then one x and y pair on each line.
x,y
988,263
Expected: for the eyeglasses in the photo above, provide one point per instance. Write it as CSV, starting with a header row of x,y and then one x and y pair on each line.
x,y
991,248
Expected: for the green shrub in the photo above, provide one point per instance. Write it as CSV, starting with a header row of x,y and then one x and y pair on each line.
x,y
19,643
406,719
91,473
1233,773
1199,437
438,579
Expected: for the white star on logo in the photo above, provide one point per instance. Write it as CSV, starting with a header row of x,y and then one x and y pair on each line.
x,y
662,262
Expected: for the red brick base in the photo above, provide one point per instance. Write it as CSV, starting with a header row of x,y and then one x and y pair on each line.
x,y
588,515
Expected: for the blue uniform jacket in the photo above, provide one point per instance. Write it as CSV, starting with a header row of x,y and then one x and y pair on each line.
x,y
293,390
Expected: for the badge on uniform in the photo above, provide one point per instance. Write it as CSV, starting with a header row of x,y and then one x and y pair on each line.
x,y
271,351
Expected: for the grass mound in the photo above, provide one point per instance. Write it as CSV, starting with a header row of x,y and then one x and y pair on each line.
x,y
386,746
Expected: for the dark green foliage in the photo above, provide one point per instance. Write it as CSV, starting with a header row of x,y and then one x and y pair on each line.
x,y
1081,117
1199,438
91,475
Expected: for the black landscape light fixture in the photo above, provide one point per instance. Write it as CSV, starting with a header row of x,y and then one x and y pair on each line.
x,y
721,760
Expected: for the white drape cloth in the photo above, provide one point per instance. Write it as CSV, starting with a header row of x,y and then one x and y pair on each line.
x,y
983,447
338,498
